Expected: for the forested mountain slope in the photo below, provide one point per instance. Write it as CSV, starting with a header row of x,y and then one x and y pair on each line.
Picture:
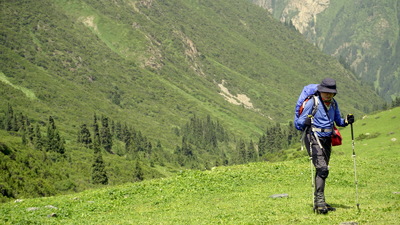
x,y
363,35
147,87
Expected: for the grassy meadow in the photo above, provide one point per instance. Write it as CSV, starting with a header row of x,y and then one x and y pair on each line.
x,y
242,194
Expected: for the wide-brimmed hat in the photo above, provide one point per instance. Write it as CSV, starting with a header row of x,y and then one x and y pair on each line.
x,y
327,85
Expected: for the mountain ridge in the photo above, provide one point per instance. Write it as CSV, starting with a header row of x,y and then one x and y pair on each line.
x,y
363,35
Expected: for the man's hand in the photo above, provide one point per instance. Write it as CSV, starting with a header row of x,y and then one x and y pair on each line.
x,y
350,119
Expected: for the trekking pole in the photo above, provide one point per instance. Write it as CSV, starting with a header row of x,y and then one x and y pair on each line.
x,y
355,167
309,151
312,181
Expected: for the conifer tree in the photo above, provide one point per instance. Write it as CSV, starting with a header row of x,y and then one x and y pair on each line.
x,y
24,139
96,133
251,152
149,149
275,139
59,141
21,122
14,124
99,174
118,131
186,149
262,145
30,132
112,128
9,118
37,140
54,141
179,156
138,173
105,135
51,130
396,102
293,134
242,152
84,136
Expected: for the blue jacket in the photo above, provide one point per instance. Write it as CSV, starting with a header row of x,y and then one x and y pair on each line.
x,y
321,120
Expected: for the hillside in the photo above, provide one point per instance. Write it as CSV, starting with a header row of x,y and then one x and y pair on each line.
x,y
142,89
242,194
364,35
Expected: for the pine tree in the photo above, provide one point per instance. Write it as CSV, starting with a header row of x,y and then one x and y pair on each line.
x,y
30,132
186,148
84,136
149,149
179,156
251,152
51,129
118,131
105,135
275,138
112,127
96,133
396,102
59,142
8,120
54,141
262,145
99,174
24,139
37,140
293,134
21,122
138,172
242,152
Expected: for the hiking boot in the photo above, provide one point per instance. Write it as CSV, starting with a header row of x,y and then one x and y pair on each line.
x,y
329,207
321,209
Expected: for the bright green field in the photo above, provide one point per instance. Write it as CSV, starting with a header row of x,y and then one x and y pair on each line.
x,y
240,194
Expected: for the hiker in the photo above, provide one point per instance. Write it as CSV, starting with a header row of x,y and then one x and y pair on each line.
x,y
318,121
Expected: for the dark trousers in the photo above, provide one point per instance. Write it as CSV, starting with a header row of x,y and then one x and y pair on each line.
x,y
320,158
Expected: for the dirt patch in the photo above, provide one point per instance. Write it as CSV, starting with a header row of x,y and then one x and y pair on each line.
x,y
89,22
239,99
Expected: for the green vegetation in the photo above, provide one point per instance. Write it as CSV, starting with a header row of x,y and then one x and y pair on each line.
x,y
363,35
241,194
147,69
205,144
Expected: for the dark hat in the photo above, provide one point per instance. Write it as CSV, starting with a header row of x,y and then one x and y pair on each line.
x,y
328,85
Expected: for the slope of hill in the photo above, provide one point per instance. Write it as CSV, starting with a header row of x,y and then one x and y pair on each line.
x,y
78,54
144,70
242,194
364,35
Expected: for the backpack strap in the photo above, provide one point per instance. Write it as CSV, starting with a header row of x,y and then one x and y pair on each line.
x,y
314,110
315,107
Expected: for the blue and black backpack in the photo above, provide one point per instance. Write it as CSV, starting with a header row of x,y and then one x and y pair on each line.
x,y
306,94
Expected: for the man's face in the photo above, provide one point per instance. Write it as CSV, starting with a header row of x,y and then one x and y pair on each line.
x,y
327,96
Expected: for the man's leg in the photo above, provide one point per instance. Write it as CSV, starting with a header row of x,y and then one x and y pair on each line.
x,y
320,158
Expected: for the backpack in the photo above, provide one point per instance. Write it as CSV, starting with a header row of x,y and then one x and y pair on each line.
x,y
306,94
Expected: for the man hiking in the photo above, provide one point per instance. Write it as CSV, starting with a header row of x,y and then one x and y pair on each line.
x,y
317,120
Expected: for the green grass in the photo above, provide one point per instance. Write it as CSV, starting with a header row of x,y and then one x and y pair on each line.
x,y
30,94
241,194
